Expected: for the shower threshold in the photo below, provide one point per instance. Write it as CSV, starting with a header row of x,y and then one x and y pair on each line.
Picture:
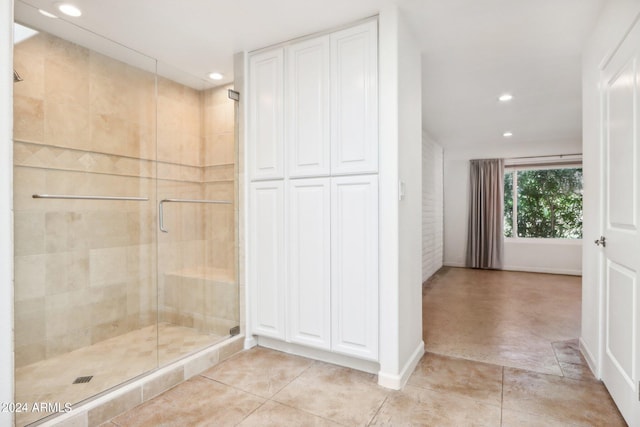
x,y
110,363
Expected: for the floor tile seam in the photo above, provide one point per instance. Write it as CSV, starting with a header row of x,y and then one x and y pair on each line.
x,y
555,355
252,412
234,387
456,395
521,368
378,411
288,405
492,364
502,396
463,358
562,377
537,414
586,380
313,362
237,388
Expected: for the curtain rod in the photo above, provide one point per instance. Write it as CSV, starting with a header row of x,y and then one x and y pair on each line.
x,y
540,157
545,161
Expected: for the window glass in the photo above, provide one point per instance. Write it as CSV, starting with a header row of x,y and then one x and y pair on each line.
x,y
548,203
508,204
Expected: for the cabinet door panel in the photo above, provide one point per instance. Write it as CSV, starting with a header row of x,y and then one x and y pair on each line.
x,y
309,262
354,105
354,265
307,109
266,115
267,258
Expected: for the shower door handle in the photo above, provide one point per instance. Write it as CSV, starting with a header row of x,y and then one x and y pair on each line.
x,y
163,201
161,217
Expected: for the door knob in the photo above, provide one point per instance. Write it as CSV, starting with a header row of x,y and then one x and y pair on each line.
x,y
601,241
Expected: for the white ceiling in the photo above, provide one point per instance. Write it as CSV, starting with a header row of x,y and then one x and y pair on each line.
x,y
472,51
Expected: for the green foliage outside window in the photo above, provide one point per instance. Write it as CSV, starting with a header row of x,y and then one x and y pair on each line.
x,y
508,204
549,203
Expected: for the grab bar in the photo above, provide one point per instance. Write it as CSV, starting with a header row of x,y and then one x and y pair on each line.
x,y
161,208
68,196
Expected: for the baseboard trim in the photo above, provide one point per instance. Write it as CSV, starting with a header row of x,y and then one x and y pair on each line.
x,y
321,355
588,356
454,264
250,342
397,381
568,272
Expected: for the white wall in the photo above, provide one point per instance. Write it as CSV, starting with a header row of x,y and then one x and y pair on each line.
x,y
615,19
432,206
548,257
401,343
6,210
410,171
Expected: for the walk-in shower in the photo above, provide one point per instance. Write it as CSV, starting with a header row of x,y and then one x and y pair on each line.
x,y
104,145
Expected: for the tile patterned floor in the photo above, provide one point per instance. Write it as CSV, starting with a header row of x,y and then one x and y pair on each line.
x,y
129,355
501,317
262,387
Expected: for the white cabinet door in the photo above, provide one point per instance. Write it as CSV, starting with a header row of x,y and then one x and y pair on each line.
x,y
266,271
307,108
266,115
354,100
354,266
309,263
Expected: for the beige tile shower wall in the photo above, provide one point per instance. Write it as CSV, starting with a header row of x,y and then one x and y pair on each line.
x,y
75,98
179,124
87,270
198,286
220,182
219,156
218,127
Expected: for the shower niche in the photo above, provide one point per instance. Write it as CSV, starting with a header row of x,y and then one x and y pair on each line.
x,y
104,148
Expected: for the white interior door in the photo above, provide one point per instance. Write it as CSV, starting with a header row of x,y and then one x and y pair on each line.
x,y
621,256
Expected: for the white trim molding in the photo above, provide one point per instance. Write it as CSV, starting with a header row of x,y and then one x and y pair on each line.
x,y
6,211
397,381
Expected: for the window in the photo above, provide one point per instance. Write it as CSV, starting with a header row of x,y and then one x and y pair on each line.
x,y
543,203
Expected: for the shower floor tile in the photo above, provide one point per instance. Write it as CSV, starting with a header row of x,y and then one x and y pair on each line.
x,y
110,362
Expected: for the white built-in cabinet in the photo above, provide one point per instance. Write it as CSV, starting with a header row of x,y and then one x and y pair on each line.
x,y
266,252
266,103
354,265
307,108
354,100
313,214
309,262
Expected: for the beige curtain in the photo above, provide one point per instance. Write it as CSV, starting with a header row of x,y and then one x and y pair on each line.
x,y
485,242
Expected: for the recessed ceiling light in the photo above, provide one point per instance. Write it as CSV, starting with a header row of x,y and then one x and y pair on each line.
x,y
507,134
47,14
69,9
505,97
216,76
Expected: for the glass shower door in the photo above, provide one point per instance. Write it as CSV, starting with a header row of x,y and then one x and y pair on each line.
x,y
197,251
85,214
102,146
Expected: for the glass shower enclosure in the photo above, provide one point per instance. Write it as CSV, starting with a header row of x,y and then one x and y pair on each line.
x,y
125,214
